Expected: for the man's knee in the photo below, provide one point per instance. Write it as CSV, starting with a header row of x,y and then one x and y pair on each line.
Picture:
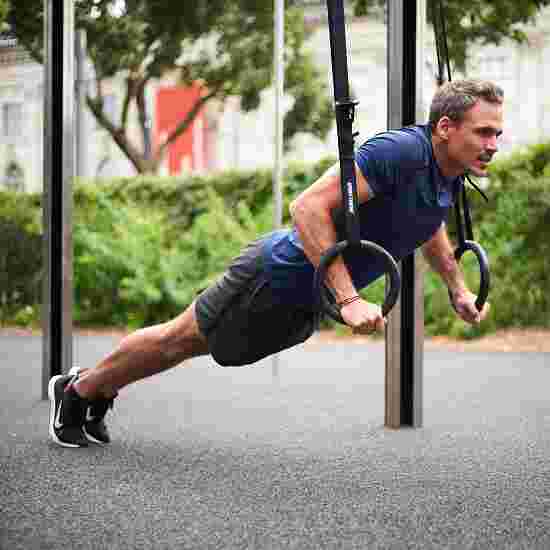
x,y
182,336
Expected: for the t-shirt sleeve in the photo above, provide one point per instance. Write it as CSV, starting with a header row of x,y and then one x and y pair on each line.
x,y
385,157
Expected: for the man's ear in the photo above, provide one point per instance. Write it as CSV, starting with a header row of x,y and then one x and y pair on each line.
x,y
443,127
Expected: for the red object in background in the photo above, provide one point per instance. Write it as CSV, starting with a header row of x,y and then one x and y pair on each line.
x,y
187,152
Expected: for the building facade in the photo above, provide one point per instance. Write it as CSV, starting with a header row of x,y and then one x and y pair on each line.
x,y
22,131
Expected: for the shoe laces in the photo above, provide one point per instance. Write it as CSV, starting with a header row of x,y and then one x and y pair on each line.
x,y
99,407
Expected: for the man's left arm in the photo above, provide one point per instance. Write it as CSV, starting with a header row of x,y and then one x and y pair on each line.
x,y
439,254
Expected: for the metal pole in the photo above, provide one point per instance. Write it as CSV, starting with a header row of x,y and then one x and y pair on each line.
x,y
279,75
81,92
59,156
405,331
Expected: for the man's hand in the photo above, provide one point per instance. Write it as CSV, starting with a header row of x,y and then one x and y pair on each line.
x,y
363,317
464,303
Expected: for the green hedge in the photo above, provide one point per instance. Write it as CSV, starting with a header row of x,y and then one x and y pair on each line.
x,y
182,199
143,247
514,228
20,256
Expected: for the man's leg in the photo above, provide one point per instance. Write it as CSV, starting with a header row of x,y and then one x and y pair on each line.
x,y
142,354
78,406
88,394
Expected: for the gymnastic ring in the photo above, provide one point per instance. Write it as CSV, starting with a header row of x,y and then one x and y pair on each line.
x,y
325,299
485,277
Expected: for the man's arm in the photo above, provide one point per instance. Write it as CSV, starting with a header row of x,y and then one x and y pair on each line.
x,y
439,253
311,214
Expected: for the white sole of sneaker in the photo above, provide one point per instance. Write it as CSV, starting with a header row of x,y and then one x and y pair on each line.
x,y
51,395
91,438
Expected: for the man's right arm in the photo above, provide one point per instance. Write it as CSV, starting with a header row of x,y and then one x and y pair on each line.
x,y
311,214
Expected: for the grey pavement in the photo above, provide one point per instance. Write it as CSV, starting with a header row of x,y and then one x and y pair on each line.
x,y
206,457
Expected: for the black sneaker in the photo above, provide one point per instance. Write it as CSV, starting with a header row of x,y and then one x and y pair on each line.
x,y
67,412
94,426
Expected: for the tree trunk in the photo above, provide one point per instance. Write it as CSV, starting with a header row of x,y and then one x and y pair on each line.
x,y
147,161
144,121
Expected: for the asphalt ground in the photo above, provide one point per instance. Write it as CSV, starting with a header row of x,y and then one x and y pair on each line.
x,y
295,457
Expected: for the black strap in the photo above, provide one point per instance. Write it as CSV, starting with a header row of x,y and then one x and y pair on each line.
x,y
477,188
463,223
441,46
467,218
345,115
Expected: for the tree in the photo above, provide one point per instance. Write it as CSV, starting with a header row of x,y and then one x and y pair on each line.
x,y
225,45
4,7
469,21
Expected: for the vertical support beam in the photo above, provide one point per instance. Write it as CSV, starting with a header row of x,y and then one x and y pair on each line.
x,y
405,331
58,174
279,76
81,49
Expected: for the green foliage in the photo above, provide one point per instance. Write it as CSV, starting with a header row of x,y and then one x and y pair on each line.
x,y
475,21
20,253
226,46
312,110
514,229
519,231
113,255
215,238
144,247
129,271
4,8
182,199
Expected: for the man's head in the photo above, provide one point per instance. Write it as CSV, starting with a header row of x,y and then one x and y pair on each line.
x,y
466,120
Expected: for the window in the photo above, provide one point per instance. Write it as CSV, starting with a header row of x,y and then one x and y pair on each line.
x,y
110,108
14,179
12,115
494,67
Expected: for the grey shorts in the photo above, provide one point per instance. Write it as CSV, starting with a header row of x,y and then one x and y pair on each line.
x,y
241,317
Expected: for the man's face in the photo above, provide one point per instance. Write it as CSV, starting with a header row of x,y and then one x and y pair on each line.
x,y
473,141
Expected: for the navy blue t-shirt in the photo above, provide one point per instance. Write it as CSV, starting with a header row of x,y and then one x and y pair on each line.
x,y
410,201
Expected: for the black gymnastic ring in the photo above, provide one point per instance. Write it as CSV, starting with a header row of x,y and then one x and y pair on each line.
x,y
485,277
326,302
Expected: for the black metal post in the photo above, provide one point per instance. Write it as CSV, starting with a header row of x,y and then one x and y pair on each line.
x,y
405,332
408,318
59,156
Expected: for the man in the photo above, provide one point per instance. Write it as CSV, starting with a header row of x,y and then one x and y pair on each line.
x,y
407,180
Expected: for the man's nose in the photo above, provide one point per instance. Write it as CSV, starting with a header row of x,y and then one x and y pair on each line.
x,y
492,144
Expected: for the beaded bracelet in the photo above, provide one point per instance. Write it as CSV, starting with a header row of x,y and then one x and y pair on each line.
x,y
348,301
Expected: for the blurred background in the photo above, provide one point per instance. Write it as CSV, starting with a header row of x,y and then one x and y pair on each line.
x,y
175,133
150,89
